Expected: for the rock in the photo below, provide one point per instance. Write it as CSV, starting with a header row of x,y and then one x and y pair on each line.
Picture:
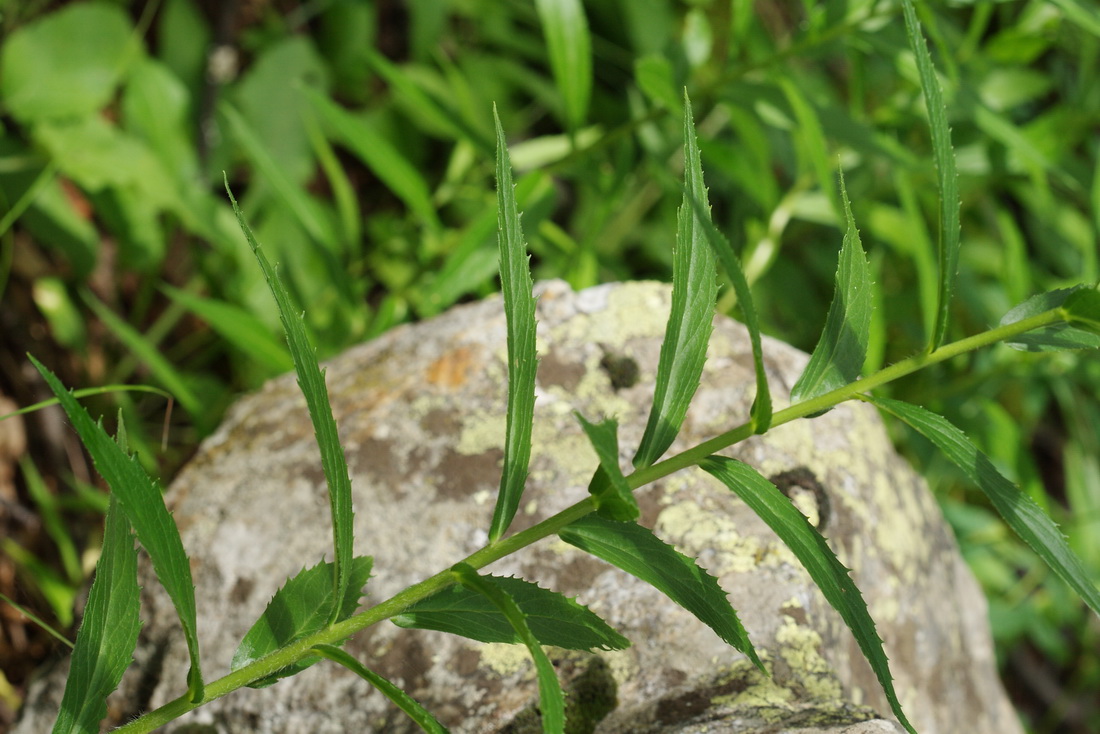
x,y
421,415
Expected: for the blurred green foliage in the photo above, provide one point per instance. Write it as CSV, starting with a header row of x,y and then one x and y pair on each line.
x,y
360,134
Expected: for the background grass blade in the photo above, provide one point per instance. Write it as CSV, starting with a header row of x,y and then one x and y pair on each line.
x,y
108,634
840,353
554,619
1021,513
816,557
614,499
950,203
640,553
312,381
551,699
570,48
404,701
519,310
142,501
694,289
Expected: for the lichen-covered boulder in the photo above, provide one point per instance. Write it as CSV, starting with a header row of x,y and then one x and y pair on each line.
x,y
421,415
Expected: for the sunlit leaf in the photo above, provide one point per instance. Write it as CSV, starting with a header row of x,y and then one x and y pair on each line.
x,y
640,553
830,575
519,311
694,289
1021,513
842,349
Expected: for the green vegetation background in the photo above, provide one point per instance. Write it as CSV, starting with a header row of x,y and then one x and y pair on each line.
x,y
358,135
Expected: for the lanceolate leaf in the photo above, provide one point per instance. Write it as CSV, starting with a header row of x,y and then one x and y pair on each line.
x,y
1073,333
824,568
950,204
404,701
107,636
141,499
554,619
570,47
1025,517
551,699
312,381
640,553
694,289
839,355
613,496
519,311
303,606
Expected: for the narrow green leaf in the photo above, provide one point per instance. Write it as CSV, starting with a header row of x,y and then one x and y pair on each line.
x,y
311,378
304,605
640,553
404,701
148,353
840,352
238,327
694,289
1072,333
554,619
551,699
1021,513
383,159
142,501
761,413
519,310
950,203
108,634
570,48
614,499
813,552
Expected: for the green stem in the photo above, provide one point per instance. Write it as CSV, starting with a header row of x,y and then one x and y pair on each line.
x,y
340,631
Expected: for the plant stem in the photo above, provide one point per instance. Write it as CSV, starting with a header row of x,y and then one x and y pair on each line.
x,y
393,606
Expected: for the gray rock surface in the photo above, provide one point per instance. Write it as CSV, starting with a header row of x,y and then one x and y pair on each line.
x,y
421,415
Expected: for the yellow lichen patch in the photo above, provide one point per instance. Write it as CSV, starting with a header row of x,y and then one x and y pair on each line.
x,y
800,648
505,660
638,311
697,530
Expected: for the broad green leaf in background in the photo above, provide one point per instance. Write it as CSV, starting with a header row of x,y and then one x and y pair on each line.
x,y
554,619
311,379
613,496
551,700
813,552
238,327
141,499
839,355
108,633
1082,309
404,701
1021,513
304,605
148,352
1058,336
519,311
640,553
67,63
950,203
653,75
383,159
694,289
272,173
570,48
